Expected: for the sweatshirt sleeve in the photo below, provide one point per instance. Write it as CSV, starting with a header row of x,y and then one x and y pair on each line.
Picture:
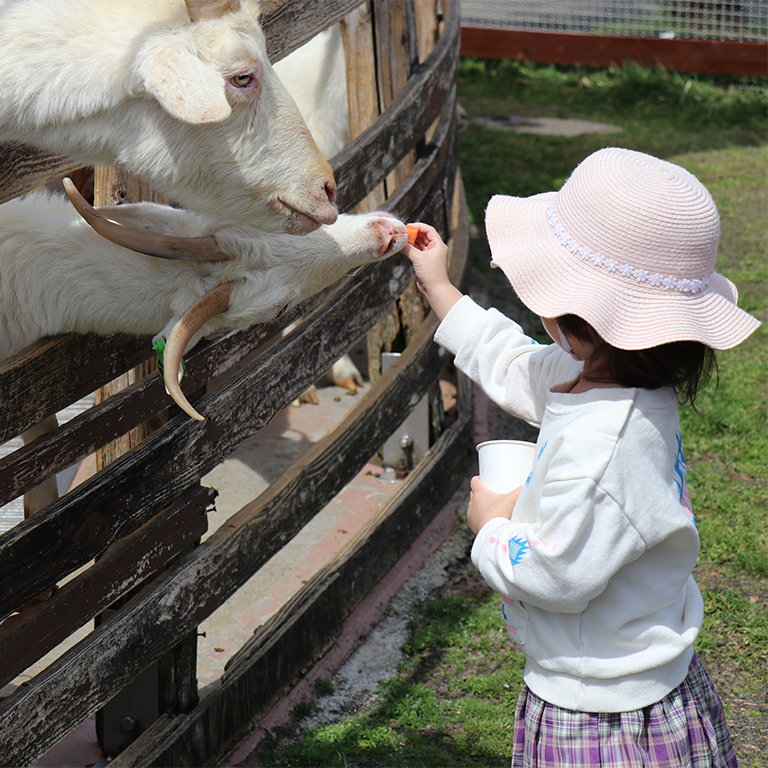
x,y
563,562
512,369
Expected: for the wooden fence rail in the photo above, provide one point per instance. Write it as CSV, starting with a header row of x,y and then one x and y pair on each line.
x,y
714,57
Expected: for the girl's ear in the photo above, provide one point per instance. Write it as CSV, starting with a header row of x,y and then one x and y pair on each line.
x,y
186,88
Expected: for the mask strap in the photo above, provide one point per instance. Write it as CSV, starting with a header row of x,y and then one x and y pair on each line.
x,y
565,345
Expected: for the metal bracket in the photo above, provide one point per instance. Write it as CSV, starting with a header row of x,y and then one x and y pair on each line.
x,y
410,441
125,717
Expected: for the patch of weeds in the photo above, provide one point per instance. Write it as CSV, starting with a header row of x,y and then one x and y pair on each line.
x,y
323,687
304,709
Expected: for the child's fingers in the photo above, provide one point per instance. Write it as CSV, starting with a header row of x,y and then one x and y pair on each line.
x,y
422,236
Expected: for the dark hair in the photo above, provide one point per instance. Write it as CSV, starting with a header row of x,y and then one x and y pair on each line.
x,y
687,366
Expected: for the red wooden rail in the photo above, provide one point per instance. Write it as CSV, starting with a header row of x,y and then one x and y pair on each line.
x,y
717,57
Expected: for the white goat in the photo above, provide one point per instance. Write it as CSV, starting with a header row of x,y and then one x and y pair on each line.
x,y
60,275
178,92
316,77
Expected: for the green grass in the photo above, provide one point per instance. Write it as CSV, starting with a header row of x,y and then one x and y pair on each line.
x,y
663,114
726,447
453,702
452,705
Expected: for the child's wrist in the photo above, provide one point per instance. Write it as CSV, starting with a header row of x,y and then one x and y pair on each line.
x,y
443,298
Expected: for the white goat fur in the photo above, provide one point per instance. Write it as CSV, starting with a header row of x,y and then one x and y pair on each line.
x,y
138,85
58,275
316,77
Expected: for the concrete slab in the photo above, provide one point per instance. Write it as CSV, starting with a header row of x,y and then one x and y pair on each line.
x,y
242,477
551,126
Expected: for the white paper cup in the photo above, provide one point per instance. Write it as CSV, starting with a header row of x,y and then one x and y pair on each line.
x,y
505,464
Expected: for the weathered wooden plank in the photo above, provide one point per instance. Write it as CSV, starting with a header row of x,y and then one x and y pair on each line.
x,y
308,624
27,466
428,15
395,30
29,635
23,167
362,91
429,168
89,674
178,668
361,165
718,57
288,24
54,372
134,487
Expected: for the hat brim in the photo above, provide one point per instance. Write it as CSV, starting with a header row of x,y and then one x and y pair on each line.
x,y
552,281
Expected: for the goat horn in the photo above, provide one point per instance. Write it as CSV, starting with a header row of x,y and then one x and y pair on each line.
x,y
162,246
194,318
210,9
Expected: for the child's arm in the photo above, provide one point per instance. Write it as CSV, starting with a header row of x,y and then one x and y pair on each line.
x,y
429,255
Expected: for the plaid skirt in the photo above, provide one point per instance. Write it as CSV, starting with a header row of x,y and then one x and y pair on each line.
x,y
686,729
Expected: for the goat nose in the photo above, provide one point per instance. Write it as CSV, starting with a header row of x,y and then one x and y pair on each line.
x,y
330,191
326,211
392,235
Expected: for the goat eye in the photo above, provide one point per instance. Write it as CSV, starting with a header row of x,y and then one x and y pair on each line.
x,y
243,80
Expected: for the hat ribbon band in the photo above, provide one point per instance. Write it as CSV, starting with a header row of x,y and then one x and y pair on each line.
x,y
627,270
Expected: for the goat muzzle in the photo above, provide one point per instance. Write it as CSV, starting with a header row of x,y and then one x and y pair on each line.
x,y
163,246
194,318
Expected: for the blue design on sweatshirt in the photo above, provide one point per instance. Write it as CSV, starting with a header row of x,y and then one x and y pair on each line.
x,y
681,470
518,549
535,462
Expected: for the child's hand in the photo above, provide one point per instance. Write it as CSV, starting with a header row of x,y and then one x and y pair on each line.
x,y
484,504
429,256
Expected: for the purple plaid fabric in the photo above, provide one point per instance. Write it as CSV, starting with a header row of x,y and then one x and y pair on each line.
x,y
686,729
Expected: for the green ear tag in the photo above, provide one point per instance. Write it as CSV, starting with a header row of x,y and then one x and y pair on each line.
x,y
159,347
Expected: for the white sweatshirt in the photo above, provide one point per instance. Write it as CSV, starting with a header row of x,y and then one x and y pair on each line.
x,y
595,566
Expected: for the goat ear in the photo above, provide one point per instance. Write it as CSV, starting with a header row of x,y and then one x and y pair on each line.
x,y
188,89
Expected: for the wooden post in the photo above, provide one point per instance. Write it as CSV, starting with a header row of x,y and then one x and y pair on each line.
x,y
112,187
362,93
170,685
397,53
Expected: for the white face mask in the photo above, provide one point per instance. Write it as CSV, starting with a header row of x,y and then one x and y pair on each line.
x,y
563,342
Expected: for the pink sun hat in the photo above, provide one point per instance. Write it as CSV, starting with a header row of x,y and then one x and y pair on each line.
x,y
627,244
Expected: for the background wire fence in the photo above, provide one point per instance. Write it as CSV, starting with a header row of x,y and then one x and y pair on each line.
x,y
744,20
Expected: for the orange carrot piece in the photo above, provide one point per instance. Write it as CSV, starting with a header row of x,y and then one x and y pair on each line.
x,y
413,232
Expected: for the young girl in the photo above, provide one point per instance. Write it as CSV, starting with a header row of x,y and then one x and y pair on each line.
x,y
593,556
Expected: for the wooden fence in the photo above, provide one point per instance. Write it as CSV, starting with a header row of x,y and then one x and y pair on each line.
x,y
718,57
131,533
